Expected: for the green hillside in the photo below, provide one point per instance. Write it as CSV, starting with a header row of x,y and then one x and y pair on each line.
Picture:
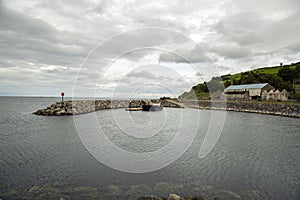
x,y
281,77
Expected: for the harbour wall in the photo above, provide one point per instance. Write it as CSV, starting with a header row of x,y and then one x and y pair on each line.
x,y
280,109
86,106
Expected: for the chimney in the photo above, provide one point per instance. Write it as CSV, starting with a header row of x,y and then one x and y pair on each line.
x,y
231,79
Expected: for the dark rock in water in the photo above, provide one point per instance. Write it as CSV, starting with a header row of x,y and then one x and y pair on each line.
x,y
171,197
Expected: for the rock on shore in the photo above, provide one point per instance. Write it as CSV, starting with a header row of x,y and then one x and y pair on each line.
x,y
287,110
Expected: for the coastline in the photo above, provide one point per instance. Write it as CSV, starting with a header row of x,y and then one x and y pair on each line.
x,y
86,106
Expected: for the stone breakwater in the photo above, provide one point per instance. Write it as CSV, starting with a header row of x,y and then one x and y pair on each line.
x,y
287,110
87,106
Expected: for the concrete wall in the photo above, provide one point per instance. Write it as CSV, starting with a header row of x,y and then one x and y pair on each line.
x,y
236,96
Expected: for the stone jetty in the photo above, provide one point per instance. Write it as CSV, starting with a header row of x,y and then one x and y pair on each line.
x,y
85,106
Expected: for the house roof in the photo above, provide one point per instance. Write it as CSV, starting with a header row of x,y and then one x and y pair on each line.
x,y
246,86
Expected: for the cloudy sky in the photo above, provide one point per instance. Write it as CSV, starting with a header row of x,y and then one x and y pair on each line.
x,y
137,47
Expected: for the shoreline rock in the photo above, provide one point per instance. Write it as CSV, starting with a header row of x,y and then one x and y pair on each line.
x,y
284,110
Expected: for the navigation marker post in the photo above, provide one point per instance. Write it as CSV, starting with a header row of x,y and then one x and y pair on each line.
x,y
62,96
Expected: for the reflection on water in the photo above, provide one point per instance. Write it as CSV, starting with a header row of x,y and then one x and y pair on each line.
x,y
256,157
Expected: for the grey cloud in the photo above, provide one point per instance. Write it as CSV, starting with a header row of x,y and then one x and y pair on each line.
x,y
254,30
25,26
44,42
283,32
222,67
197,54
232,51
26,38
136,44
62,8
241,28
149,78
199,74
99,8
142,74
264,7
161,21
294,48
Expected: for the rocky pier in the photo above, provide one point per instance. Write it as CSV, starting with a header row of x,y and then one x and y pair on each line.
x,y
86,106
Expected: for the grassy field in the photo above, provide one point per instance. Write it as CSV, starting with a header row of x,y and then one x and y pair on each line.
x,y
267,70
235,76
264,70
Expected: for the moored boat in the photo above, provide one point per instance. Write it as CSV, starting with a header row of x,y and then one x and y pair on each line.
x,y
152,107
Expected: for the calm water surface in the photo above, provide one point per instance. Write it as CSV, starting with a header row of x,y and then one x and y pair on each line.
x,y
256,157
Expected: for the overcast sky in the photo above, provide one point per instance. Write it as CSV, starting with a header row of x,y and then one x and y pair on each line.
x,y
129,48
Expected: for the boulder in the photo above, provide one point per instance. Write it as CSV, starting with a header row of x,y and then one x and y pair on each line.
x,y
174,197
56,109
49,111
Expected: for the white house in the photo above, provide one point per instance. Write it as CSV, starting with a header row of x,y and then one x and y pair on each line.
x,y
283,95
275,95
